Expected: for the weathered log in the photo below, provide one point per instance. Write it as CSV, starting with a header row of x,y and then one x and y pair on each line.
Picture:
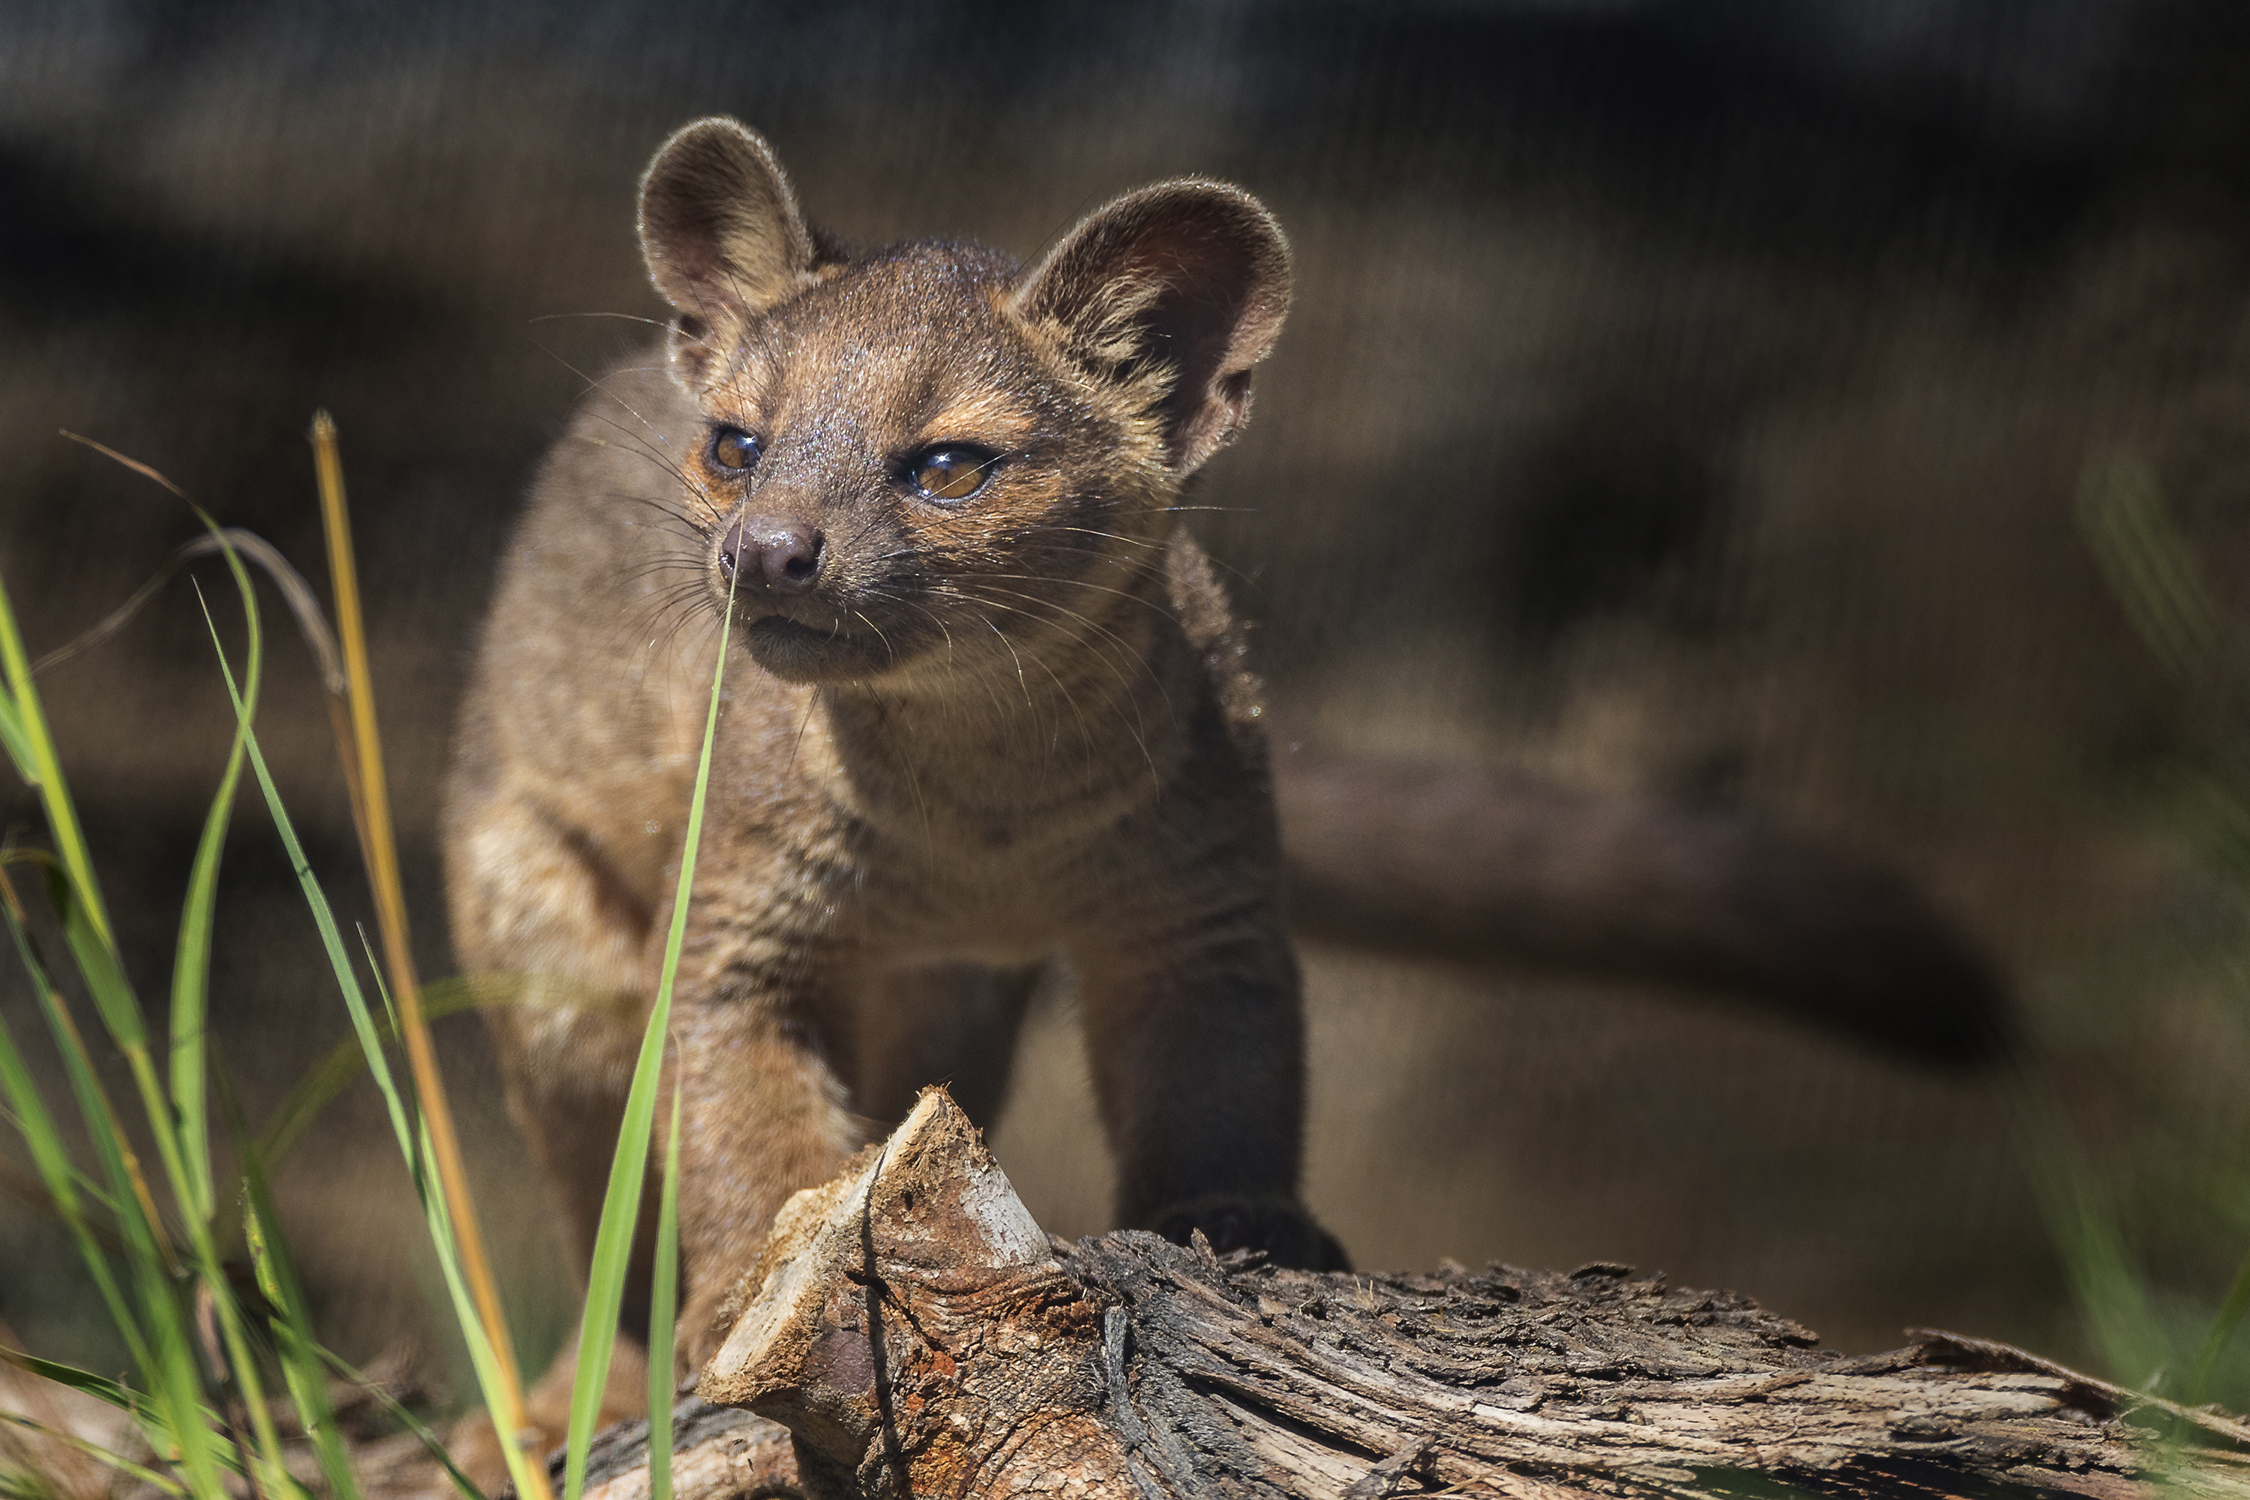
x,y
916,1334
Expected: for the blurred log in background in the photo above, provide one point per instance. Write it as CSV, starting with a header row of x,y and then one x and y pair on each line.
x,y
1683,400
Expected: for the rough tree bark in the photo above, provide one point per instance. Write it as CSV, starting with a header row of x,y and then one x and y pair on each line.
x,y
913,1332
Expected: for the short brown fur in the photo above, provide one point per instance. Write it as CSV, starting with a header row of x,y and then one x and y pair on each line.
x,y
960,738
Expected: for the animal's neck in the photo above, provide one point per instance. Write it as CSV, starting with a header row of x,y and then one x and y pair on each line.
x,y
1088,709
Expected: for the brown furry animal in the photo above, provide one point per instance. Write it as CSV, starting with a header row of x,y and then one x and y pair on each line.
x,y
986,709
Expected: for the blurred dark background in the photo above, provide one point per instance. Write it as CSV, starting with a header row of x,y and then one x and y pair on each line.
x,y
1685,399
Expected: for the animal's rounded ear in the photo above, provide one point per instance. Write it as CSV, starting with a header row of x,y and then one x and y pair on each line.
x,y
1178,290
721,233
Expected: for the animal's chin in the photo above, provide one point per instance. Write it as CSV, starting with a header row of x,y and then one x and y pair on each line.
x,y
797,652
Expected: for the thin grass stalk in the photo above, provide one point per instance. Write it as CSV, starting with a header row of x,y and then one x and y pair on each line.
x,y
128,1183
345,1061
2221,1333
100,1114
29,1190
320,1085
179,1125
109,1458
28,732
613,1239
15,741
189,1160
165,1354
171,1371
90,938
54,1473
291,1323
71,890
166,1117
153,1425
191,960
397,1412
2105,1278
663,1302
87,935
47,1151
380,848
2165,594
2151,570
481,1354
191,972
411,1142
51,1158
100,1387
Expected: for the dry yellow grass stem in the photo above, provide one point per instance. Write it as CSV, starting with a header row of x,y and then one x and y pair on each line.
x,y
371,805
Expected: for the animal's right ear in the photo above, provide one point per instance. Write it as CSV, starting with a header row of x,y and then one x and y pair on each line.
x,y
1172,294
722,236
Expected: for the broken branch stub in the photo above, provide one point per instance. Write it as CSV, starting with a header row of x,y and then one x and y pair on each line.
x,y
914,1330
918,1335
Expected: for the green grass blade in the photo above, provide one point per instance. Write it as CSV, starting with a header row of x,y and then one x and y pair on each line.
x,y
663,1303
15,741
86,1383
30,1191
2222,1331
2172,604
28,729
431,1443
482,1357
178,1125
52,1160
106,984
154,1429
2105,1278
371,1046
324,921
109,1458
174,1417
294,1348
613,1240
140,1232
157,1338
166,1356
334,1073
191,960
291,1324
484,1360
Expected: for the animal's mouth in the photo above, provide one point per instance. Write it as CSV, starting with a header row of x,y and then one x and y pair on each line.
x,y
780,629
796,651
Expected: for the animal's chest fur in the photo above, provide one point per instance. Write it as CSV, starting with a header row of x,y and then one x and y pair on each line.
x,y
915,854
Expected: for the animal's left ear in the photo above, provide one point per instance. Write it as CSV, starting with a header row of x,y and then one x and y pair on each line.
x,y
722,237
1180,288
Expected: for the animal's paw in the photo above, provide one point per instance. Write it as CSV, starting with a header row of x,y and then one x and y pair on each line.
x,y
1281,1227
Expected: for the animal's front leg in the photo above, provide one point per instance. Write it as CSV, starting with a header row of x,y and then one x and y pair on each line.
x,y
761,1112
1197,1045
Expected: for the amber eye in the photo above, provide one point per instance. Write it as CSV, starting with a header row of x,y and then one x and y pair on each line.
x,y
733,450
951,473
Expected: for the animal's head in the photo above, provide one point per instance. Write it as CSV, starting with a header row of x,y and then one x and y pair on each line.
x,y
931,455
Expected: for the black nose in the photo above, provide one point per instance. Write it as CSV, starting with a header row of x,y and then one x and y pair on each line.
x,y
784,556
